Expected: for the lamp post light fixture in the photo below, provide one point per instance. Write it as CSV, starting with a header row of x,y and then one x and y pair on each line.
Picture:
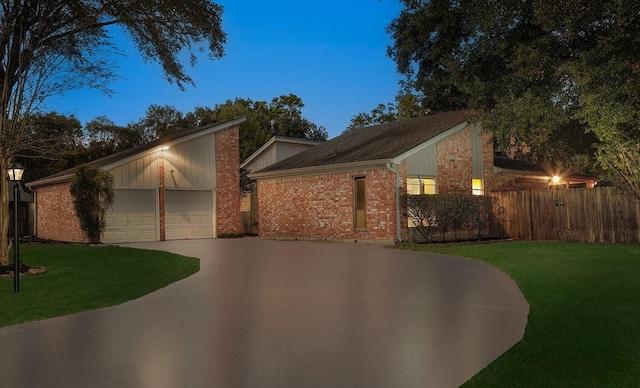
x,y
15,171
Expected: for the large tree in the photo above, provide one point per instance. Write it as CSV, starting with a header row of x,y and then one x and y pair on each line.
x,y
49,47
281,116
537,71
407,105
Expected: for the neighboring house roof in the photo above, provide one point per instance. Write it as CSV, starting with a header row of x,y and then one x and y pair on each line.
x,y
126,155
508,166
377,144
277,139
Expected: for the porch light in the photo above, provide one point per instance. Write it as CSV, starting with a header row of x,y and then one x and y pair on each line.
x,y
555,179
15,171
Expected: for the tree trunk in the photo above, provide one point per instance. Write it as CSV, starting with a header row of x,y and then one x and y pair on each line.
x,y
4,213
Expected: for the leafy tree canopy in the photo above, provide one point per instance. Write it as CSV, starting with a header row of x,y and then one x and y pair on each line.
x,y
281,116
407,105
535,70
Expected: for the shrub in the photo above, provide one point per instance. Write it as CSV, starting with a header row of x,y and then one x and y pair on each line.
x,y
441,213
93,195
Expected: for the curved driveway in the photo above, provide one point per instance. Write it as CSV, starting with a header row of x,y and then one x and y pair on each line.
x,y
282,314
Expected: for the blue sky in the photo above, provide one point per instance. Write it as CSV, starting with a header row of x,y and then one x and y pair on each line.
x,y
331,54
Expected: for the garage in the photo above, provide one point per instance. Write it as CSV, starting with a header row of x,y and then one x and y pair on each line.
x,y
183,186
133,216
189,214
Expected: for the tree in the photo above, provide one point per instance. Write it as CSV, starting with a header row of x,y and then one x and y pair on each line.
x,y
68,132
49,47
161,121
103,137
93,195
407,105
536,72
282,117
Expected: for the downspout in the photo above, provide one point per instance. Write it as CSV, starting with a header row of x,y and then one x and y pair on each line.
x,y
397,189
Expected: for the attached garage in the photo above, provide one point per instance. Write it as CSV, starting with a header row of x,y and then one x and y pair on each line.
x,y
133,216
189,214
185,186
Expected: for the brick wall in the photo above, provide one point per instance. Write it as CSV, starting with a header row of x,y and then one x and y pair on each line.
x,y
56,216
322,207
228,182
487,167
455,163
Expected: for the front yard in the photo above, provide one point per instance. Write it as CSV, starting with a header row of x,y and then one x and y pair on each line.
x,y
583,329
81,278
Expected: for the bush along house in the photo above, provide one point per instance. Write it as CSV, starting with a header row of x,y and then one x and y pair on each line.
x,y
351,187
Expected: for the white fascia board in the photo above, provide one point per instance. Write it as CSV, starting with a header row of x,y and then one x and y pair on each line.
x,y
324,169
278,139
258,151
50,181
398,159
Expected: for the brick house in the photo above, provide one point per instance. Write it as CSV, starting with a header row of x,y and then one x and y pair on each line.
x,y
180,187
349,187
274,150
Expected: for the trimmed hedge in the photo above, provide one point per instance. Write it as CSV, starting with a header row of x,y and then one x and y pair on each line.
x,y
434,214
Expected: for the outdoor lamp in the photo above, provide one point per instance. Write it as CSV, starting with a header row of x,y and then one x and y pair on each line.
x,y
15,171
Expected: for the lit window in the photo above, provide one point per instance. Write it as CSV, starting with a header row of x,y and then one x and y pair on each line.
x,y
413,186
360,203
419,185
428,186
476,187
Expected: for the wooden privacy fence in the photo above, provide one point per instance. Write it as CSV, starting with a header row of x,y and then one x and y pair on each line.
x,y
603,214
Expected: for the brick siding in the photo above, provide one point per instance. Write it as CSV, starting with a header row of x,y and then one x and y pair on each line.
x,y
455,163
56,216
228,221
322,206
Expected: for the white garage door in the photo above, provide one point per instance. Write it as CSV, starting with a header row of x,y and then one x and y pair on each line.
x,y
189,214
132,218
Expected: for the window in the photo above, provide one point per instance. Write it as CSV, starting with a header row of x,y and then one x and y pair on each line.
x,y
421,185
360,203
476,187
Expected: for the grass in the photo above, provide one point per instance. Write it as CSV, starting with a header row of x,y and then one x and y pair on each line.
x,y
583,328
81,278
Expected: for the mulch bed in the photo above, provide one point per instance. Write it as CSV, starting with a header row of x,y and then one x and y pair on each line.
x,y
7,270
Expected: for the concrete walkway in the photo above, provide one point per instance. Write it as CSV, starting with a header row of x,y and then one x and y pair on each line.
x,y
282,314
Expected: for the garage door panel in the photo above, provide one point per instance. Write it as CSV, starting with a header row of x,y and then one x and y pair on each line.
x,y
133,217
189,214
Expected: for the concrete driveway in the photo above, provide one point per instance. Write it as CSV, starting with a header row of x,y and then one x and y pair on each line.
x,y
282,314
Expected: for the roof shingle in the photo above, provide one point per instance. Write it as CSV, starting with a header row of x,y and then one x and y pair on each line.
x,y
385,141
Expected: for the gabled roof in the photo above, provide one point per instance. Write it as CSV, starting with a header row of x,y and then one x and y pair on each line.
x,y
278,139
132,153
379,143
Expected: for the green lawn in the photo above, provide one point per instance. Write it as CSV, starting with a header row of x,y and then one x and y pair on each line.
x,y
81,278
583,329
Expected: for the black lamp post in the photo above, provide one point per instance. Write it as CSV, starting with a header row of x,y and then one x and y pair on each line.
x,y
15,171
